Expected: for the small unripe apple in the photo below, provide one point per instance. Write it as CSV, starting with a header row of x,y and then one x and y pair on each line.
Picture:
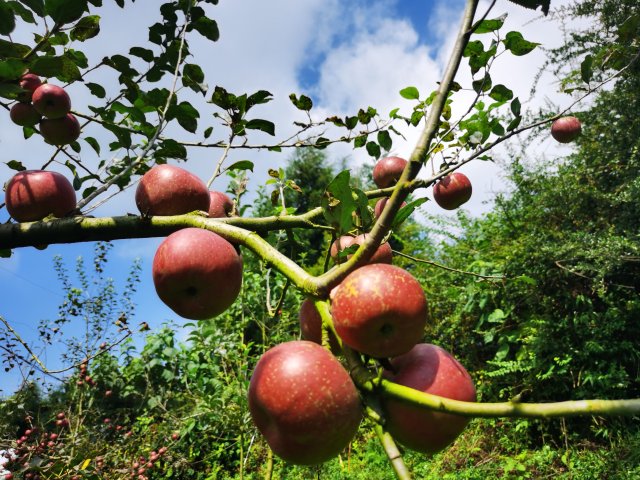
x,y
197,273
24,114
388,170
430,369
60,131
304,402
452,191
311,325
220,205
566,129
379,310
51,101
170,190
35,194
380,204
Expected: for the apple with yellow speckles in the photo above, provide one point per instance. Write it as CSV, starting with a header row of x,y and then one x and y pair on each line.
x,y
429,369
379,310
304,402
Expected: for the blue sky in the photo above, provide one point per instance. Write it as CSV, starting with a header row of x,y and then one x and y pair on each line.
x,y
344,54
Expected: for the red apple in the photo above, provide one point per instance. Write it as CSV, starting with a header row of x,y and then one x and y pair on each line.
x,y
429,369
220,205
388,170
452,191
340,244
29,82
379,310
60,131
566,129
382,255
304,402
171,190
197,273
24,114
311,326
51,101
380,204
35,194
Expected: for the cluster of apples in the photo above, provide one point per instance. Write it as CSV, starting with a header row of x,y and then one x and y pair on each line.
x,y
303,400
46,104
140,468
196,273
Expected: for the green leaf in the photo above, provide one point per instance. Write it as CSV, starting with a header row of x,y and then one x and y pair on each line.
x,y
193,77
586,69
488,26
88,27
12,50
7,18
517,45
207,28
207,132
406,211
516,107
258,98
241,165
65,11
533,4
143,53
384,139
501,93
262,125
93,143
483,84
514,124
169,148
24,13
373,149
302,103
61,67
15,165
37,6
338,202
186,114
10,90
410,93
12,69
5,252
96,89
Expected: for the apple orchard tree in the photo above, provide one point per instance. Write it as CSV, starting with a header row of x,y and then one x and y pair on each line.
x,y
364,318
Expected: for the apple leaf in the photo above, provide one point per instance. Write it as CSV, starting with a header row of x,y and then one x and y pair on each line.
x,y
7,18
338,203
410,93
12,69
169,148
15,165
406,211
373,149
143,53
61,67
586,68
488,26
207,27
65,11
534,4
37,6
13,50
193,77
483,84
517,45
93,143
516,106
5,253
88,27
96,89
302,103
262,125
501,93
241,165
384,139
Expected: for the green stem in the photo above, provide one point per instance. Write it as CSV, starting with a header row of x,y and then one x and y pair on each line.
x,y
394,455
